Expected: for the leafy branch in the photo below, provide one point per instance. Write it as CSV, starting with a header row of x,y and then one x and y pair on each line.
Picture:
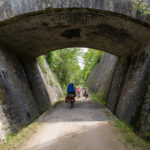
x,y
141,5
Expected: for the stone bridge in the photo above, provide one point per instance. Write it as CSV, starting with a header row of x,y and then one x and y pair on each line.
x,y
31,28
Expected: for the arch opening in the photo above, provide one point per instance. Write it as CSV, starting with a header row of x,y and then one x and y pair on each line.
x,y
31,35
36,33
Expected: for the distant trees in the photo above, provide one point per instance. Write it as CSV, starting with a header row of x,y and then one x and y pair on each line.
x,y
91,58
142,7
65,64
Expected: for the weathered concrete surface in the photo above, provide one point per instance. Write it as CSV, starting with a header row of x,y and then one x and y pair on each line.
x,y
100,78
38,32
117,83
4,118
17,106
143,122
128,96
34,34
135,87
75,23
23,95
37,85
52,86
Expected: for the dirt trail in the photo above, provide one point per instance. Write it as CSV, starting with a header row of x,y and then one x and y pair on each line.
x,y
85,127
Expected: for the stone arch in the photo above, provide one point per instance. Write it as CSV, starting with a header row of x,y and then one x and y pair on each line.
x,y
32,32
36,33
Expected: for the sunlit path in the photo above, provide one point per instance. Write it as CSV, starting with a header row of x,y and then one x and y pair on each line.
x,y
85,127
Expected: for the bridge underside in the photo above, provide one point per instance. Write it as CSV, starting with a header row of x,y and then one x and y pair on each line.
x,y
27,36
37,33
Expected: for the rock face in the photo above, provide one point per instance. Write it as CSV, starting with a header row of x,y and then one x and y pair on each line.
x,y
31,28
17,104
100,78
23,96
52,85
129,90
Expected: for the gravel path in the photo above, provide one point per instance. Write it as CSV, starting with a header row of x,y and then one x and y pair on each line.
x,y
85,127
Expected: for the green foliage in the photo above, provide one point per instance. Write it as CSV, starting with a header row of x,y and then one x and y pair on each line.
x,y
45,69
91,58
50,82
97,98
141,5
64,63
13,140
149,89
123,127
128,136
41,60
61,100
41,63
147,135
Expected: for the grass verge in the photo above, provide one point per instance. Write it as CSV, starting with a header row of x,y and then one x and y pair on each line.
x,y
97,98
14,140
61,99
128,136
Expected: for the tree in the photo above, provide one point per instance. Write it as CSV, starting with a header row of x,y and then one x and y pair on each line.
x,y
142,7
64,63
91,58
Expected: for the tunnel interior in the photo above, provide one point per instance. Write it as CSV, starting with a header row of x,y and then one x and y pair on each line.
x,y
25,37
34,34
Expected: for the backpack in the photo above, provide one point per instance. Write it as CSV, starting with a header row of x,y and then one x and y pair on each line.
x,y
71,88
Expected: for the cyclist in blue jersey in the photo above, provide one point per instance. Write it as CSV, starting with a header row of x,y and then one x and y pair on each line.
x,y
71,90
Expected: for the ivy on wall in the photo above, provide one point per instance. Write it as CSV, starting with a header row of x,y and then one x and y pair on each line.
x,y
142,6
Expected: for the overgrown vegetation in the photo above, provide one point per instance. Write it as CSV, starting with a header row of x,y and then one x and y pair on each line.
x,y
49,80
91,58
97,98
61,99
142,7
149,90
65,64
128,136
41,63
13,140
